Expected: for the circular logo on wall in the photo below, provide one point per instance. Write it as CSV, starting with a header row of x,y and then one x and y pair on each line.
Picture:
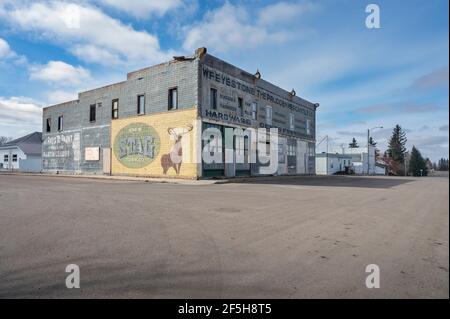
x,y
136,145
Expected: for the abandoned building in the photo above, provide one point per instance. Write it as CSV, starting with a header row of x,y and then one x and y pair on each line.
x,y
131,127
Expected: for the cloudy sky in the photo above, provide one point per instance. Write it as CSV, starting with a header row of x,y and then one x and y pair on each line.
x,y
361,77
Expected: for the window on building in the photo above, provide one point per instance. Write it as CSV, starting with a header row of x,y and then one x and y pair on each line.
x,y
291,150
60,123
241,106
311,149
254,111
14,158
308,127
268,115
48,125
6,158
92,113
281,154
99,104
173,99
291,122
213,99
115,109
141,104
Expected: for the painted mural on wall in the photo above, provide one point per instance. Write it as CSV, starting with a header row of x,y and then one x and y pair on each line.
x,y
174,158
136,145
61,151
155,145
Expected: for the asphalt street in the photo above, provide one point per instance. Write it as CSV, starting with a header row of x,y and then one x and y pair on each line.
x,y
305,237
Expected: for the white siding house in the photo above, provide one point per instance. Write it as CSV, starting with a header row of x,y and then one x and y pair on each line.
x,y
329,164
22,154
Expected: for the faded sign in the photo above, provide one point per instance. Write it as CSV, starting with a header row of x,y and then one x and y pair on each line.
x,y
92,153
136,145
61,151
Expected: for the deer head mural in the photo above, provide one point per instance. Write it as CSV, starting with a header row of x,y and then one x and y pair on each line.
x,y
174,157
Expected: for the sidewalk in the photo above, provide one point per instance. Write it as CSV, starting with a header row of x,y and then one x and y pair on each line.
x,y
125,178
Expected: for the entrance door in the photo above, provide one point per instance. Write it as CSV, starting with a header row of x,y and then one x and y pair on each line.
x,y
214,169
242,145
292,156
106,155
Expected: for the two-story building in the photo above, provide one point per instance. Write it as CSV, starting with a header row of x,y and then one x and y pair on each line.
x,y
139,126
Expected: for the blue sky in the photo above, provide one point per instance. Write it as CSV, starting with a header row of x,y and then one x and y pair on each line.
x,y
361,77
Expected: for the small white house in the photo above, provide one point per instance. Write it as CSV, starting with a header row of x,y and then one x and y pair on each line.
x,y
362,164
331,163
22,154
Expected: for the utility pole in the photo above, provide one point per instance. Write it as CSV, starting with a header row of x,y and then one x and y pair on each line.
x,y
327,153
368,151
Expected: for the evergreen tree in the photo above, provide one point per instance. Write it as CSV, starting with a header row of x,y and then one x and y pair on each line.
x,y
353,144
417,164
396,148
372,142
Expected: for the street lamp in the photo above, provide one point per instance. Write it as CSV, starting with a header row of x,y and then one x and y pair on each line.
x,y
368,147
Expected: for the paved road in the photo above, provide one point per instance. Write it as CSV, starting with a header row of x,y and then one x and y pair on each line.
x,y
309,237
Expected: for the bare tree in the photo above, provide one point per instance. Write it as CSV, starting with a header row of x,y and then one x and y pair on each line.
x,y
4,139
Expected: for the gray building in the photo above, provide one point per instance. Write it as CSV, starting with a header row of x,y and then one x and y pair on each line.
x,y
78,136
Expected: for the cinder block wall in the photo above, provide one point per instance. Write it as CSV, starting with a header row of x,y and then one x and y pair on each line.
x,y
64,151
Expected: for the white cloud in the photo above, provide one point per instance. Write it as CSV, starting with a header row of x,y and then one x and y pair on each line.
x,y
61,96
93,54
436,78
87,32
283,12
143,8
5,50
60,73
19,114
233,27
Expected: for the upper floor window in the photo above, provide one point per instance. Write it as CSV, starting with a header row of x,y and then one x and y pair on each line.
x,y
254,111
60,123
308,127
92,113
268,115
291,122
115,109
173,99
213,98
141,104
241,106
48,125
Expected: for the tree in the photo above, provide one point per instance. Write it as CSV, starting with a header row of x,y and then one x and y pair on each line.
x,y
396,148
353,144
4,139
392,166
417,164
442,164
372,142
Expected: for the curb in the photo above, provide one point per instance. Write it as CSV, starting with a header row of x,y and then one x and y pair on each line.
x,y
124,178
